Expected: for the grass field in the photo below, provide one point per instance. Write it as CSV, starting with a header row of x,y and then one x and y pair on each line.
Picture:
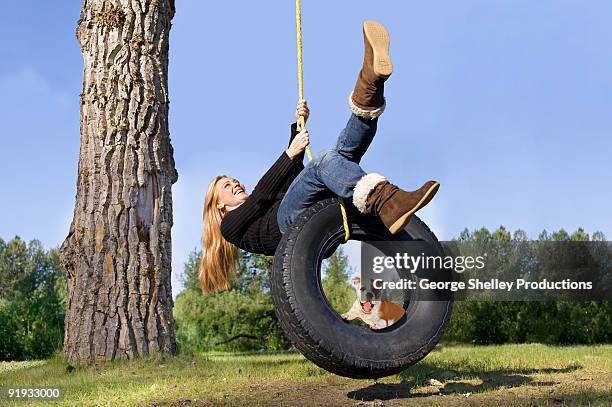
x,y
507,375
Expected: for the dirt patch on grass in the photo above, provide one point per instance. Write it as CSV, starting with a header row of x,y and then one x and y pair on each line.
x,y
546,389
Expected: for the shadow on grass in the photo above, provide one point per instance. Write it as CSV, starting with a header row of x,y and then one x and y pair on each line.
x,y
579,398
452,381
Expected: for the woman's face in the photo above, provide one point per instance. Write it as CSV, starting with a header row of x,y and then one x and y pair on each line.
x,y
231,193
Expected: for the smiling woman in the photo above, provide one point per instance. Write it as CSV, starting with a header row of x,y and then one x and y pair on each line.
x,y
233,218
232,193
256,223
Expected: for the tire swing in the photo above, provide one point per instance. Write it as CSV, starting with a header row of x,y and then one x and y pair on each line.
x,y
317,331
306,316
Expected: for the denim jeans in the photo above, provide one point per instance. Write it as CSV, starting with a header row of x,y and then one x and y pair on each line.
x,y
336,170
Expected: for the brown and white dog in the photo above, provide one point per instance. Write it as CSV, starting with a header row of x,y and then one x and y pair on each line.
x,y
377,314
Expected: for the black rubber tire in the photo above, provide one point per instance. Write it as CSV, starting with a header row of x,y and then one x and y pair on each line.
x,y
317,330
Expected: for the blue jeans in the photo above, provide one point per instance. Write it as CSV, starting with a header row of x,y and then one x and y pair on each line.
x,y
336,170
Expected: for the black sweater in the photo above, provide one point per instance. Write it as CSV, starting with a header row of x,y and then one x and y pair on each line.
x,y
253,226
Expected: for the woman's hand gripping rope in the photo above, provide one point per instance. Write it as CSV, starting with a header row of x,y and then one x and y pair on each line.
x,y
302,139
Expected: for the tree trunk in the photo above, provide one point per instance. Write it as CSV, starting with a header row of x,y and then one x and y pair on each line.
x,y
118,251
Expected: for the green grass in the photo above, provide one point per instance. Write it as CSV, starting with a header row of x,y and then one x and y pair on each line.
x,y
507,375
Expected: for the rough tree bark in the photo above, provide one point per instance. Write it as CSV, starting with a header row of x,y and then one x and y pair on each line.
x,y
118,253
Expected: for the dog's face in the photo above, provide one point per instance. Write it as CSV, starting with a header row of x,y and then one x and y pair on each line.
x,y
366,295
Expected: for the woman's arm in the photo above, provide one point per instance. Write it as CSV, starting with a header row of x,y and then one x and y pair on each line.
x,y
299,139
299,159
236,222
274,182
274,179
278,178
298,165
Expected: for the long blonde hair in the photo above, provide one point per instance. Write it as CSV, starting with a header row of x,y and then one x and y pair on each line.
x,y
219,257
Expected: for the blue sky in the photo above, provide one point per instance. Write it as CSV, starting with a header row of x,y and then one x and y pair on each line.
x,y
507,103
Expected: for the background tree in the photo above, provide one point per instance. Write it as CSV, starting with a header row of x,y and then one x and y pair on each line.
x,y
239,319
206,320
118,252
339,292
551,322
32,300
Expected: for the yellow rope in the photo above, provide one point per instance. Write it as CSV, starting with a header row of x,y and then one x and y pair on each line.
x,y
302,124
298,21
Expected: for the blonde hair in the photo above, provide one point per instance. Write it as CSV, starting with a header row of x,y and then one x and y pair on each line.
x,y
219,257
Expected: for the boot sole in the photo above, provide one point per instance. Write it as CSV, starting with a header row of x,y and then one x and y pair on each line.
x,y
378,37
405,218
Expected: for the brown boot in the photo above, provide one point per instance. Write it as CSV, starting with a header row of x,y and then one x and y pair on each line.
x,y
376,196
367,99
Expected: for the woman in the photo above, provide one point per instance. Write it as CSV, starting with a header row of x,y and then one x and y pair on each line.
x,y
234,219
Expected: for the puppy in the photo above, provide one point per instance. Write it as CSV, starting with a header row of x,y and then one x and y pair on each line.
x,y
377,314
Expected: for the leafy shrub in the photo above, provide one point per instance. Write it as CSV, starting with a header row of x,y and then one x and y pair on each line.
x,y
339,292
553,322
205,320
32,300
245,314
240,319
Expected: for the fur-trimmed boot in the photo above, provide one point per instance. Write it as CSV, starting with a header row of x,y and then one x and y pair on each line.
x,y
375,195
367,99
